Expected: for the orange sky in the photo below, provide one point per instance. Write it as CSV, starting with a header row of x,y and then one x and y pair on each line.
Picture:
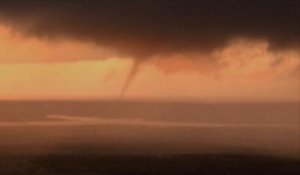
x,y
243,71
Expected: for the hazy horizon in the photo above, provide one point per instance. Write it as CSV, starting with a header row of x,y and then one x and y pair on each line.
x,y
149,127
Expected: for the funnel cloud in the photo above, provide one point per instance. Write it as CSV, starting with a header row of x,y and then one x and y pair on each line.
x,y
130,77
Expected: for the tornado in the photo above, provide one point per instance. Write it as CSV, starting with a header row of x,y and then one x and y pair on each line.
x,y
130,77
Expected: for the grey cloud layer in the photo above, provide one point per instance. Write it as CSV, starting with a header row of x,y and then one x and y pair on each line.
x,y
145,28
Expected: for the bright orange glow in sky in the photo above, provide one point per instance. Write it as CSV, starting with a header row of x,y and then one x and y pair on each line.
x,y
244,70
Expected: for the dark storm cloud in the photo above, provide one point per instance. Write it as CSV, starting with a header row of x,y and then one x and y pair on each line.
x,y
143,28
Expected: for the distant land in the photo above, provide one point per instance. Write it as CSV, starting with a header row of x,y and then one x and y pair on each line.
x,y
135,127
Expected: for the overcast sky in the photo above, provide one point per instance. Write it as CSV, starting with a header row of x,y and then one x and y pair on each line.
x,y
161,49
